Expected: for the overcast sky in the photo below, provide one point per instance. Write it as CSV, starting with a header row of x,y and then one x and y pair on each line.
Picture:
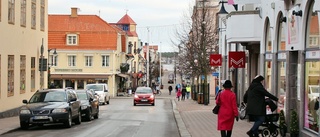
x,y
162,17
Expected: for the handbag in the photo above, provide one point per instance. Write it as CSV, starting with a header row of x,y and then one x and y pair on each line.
x,y
242,111
215,110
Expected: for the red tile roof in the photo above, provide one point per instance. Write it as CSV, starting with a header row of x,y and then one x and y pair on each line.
x,y
94,33
126,19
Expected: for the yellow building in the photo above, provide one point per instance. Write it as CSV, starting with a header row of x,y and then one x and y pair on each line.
x,y
24,29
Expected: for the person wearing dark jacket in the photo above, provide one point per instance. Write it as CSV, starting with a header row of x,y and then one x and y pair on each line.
x,y
256,104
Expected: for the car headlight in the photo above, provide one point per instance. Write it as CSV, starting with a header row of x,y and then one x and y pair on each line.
x,y
84,107
136,96
59,110
152,96
25,111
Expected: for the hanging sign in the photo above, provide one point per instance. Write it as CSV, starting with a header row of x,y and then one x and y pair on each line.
x,y
237,59
215,59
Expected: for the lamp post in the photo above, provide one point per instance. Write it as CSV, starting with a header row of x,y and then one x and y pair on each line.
x,y
51,60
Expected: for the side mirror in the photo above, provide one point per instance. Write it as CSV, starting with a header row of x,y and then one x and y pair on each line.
x,y
73,99
90,99
24,101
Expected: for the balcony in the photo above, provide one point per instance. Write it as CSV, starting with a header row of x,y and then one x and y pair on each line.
x,y
244,26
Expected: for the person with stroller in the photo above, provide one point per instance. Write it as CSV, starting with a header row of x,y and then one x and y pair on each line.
x,y
228,110
256,104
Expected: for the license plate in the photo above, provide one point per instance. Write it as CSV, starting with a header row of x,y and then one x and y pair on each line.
x,y
40,117
144,100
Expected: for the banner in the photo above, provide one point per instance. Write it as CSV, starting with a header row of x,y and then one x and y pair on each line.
x,y
237,59
215,59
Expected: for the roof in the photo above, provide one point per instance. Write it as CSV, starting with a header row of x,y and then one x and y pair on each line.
x,y
94,33
126,19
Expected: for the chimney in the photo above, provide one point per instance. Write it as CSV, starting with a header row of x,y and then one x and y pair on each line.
x,y
74,12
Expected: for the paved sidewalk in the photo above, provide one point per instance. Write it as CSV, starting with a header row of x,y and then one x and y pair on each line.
x,y
199,121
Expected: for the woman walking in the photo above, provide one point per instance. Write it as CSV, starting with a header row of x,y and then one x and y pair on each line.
x,y
228,109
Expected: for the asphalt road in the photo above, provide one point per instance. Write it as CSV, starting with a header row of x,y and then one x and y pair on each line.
x,y
118,119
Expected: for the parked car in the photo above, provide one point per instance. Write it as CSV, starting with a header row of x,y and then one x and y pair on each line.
x,y
102,90
89,104
144,95
51,106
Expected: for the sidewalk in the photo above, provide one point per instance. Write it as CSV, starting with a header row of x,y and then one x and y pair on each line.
x,y
193,119
197,120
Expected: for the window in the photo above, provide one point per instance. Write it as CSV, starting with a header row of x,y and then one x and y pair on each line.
x,y
11,11
71,61
33,14
23,13
105,61
53,60
125,27
72,39
88,61
10,75
22,74
33,74
313,41
42,16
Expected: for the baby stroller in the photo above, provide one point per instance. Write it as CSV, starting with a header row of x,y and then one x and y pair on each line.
x,y
270,128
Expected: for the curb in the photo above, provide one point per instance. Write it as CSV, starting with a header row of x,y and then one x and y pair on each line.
x,y
181,125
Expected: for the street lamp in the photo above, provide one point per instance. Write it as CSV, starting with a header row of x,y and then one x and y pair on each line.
x,y
51,60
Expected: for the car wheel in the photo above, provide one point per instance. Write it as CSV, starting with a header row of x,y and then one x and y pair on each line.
x,y
104,101
78,119
134,104
152,104
96,116
89,115
24,125
68,123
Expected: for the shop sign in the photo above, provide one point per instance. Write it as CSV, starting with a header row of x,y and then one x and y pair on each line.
x,y
68,70
313,54
237,59
215,60
293,24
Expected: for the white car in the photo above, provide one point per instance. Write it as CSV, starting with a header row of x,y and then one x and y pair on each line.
x,y
314,91
101,89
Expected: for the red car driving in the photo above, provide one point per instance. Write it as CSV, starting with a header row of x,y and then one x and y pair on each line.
x,y
144,95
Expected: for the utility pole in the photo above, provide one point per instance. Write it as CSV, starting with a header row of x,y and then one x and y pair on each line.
x,y
148,76
160,66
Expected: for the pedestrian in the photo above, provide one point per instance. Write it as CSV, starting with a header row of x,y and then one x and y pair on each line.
x,y
188,91
228,111
158,89
170,89
178,86
256,104
178,94
183,90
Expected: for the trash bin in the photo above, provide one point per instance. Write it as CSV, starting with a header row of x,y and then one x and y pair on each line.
x,y
200,98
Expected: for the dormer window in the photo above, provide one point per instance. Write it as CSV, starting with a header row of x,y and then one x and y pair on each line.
x,y
72,39
125,27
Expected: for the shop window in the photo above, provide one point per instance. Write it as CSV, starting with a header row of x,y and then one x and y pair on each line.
x,y
312,72
268,38
281,89
268,75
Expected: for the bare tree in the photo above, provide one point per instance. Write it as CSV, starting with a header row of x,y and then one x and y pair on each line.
x,y
197,39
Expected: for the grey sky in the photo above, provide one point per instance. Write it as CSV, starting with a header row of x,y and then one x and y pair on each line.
x,y
161,16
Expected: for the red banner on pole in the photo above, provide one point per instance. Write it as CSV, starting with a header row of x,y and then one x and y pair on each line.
x,y
237,59
215,60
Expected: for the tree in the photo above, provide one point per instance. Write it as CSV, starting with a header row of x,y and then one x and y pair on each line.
x,y
294,125
197,40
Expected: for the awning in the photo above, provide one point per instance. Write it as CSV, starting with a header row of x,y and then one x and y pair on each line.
x,y
79,76
123,75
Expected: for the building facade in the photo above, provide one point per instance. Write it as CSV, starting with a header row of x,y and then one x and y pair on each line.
x,y
24,26
89,50
281,42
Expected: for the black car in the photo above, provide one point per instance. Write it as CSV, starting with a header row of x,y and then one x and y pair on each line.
x,y
51,106
89,104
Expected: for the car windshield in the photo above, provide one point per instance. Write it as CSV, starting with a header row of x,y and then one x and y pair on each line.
x,y
95,87
48,97
144,91
82,96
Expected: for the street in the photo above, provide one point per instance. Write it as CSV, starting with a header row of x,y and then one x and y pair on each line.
x,y
118,119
